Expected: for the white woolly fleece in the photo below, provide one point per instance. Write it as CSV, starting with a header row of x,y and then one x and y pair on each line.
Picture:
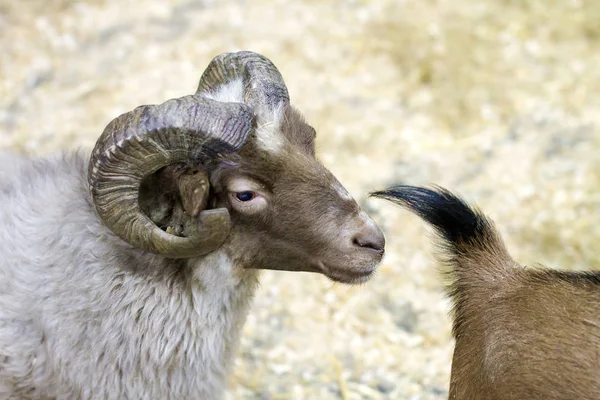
x,y
85,316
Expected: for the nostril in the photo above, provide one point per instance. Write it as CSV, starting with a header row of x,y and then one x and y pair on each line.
x,y
371,239
366,244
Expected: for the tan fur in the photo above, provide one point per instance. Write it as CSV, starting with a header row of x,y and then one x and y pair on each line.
x,y
521,333
525,333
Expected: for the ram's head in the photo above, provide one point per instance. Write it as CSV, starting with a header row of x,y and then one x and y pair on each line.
x,y
232,167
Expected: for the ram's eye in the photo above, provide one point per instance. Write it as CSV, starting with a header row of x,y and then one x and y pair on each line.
x,y
245,196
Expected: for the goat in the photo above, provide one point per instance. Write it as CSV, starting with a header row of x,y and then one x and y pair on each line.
x,y
128,274
521,333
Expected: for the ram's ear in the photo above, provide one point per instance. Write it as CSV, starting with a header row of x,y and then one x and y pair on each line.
x,y
194,188
161,193
298,131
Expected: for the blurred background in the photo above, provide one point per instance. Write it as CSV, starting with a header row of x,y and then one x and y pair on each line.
x,y
497,100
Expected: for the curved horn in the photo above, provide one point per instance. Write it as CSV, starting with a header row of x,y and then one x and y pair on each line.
x,y
138,143
263,83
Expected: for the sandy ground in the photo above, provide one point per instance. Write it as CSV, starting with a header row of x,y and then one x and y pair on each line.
x,y
497,100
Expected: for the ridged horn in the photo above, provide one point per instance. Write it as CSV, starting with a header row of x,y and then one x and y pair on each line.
x,y
263,84
138,143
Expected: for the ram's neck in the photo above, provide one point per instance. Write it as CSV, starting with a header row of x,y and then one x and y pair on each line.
x,y
219,299
189,321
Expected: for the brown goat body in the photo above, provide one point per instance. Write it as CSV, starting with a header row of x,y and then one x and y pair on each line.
x,y
522,333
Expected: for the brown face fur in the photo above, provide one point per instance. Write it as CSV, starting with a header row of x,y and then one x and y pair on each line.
x,y
309,222
299,217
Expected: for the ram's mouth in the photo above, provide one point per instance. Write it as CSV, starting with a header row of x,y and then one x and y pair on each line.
x,y
347,275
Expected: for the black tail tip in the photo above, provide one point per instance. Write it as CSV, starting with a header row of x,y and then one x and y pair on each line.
x,y
452,217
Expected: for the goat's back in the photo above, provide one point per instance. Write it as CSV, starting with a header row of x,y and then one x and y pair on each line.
x,y
521,333
537,338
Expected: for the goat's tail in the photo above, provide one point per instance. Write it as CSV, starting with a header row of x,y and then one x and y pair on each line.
x,y
471,246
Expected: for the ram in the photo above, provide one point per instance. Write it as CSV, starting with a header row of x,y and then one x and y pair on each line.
x,y
10,164
128,274
521,332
